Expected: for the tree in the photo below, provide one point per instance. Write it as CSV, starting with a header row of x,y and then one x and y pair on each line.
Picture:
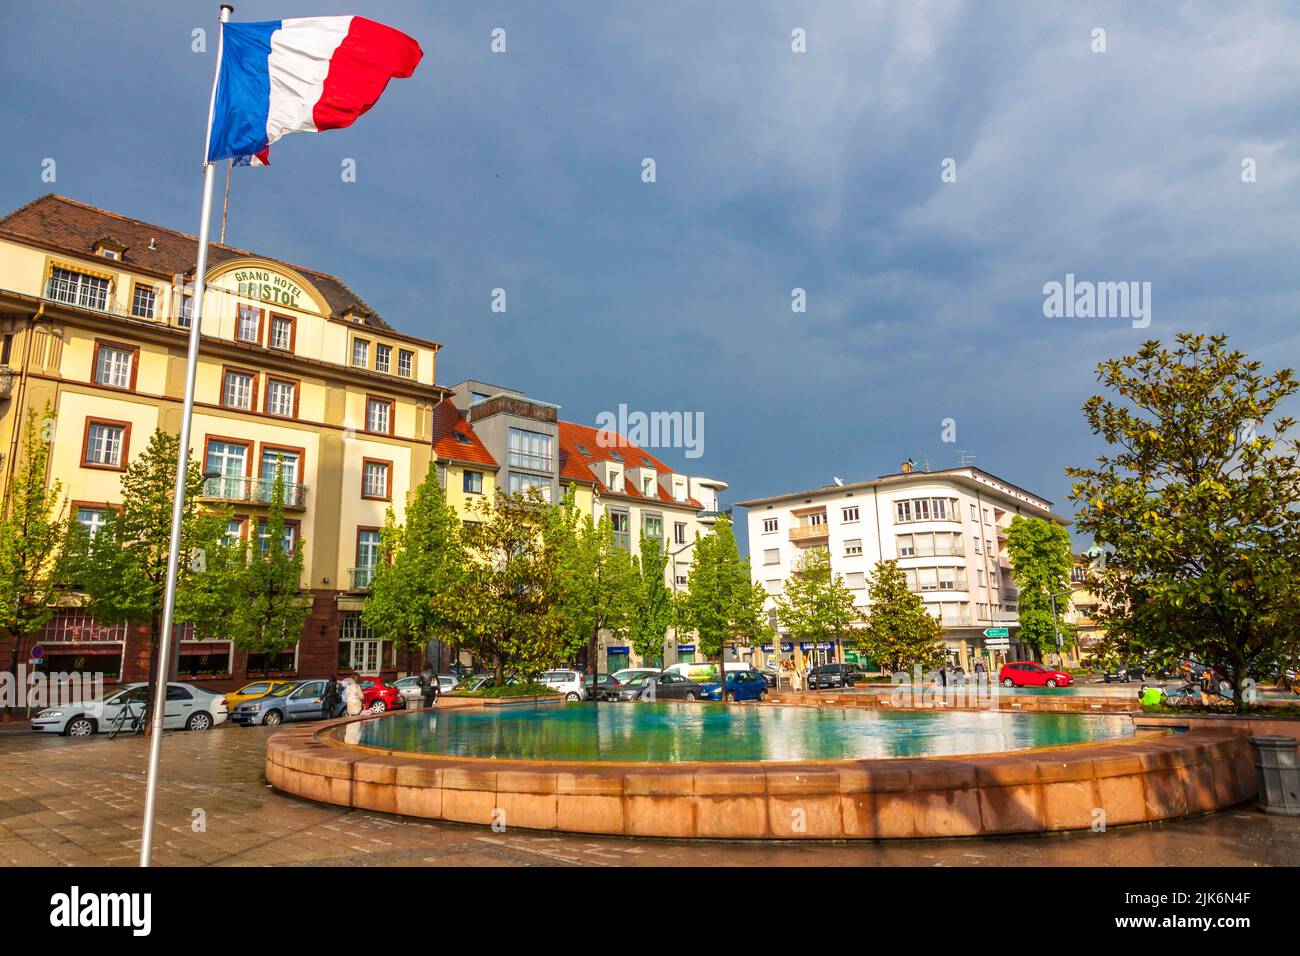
x,y
511,587
598,583
415,592
723,605
123,571
254,594
1041,561
32,543
900,633
1197,507
652,602
815,605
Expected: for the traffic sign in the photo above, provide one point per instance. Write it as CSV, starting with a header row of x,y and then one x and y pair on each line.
x,y
996,632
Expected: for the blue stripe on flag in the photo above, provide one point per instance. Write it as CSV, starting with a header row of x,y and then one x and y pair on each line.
x,y
243,91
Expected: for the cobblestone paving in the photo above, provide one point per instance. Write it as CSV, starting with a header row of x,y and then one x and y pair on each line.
x,y
77,803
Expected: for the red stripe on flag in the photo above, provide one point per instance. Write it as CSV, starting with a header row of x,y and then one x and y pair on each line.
x,y
369,56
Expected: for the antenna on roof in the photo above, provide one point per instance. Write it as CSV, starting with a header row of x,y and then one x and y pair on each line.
x,y
153,244
964,458
926,460
839,482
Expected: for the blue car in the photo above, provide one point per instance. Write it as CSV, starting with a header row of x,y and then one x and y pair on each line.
x,y
741,685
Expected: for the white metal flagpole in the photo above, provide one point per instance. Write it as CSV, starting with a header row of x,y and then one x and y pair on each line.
x,y
162,666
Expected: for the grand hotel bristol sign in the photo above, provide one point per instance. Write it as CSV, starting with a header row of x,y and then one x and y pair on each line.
x,y
262,285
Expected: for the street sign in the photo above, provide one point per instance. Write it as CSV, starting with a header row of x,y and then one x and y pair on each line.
x,y
996,632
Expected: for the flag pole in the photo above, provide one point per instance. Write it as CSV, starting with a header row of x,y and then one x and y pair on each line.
x,y
162,666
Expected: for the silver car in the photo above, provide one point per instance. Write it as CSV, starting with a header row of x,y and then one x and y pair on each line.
x,y
188,708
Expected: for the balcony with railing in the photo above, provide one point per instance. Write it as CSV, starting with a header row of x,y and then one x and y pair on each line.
x,y
254,491
809,533
360,579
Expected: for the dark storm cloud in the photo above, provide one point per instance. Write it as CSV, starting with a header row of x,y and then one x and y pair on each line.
x,y
775,170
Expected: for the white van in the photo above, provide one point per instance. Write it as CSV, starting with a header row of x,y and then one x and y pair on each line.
x,y
706,672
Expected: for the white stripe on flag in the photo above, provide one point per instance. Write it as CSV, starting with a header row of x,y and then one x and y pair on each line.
x,y
299,61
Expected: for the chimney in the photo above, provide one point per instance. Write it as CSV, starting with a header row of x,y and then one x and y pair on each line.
x,y
906,467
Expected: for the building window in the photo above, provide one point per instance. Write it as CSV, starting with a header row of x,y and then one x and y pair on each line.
x,y
186,315
379,415
853,548
770,525
114,366
817,518
92,519
237,390
234,531
374,479
106,444
621,522
855,580
849,515
368,546
977,546
281,397
530,449
143,301
405,363
472,483
384,358
974,513
679,532
772,556
264,538
248,327
926,509
284,462
361,353
282,333
520,484
227,458
652,526
77,288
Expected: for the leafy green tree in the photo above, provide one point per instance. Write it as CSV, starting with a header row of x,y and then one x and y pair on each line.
x,y
415,594
900,633
598,582
815,605
123,571
32,542
511,587
723,606
1197,505
1041,561
253,594
653,603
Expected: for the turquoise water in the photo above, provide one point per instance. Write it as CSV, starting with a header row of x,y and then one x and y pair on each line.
x,y
650,732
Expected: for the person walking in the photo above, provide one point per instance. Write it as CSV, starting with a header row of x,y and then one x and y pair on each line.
x,y
331,698
353,697
428,686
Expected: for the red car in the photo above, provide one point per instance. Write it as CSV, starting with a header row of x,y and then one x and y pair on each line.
x,y
379,695
1032,674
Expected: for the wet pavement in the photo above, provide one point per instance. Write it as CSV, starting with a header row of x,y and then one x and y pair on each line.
x,y
77,803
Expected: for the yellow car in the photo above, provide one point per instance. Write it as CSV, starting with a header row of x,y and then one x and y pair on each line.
x,y
258,688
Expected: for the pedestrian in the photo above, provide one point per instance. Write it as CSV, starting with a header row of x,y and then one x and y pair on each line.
x,y
330,700
428,686
353,697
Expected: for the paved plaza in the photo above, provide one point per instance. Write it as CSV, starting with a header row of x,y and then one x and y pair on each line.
x,y
76,802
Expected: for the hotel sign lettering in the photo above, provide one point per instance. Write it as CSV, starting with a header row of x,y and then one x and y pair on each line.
x,y
271,287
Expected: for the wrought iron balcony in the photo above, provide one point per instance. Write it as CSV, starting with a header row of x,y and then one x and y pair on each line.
x,y
255,491
360,579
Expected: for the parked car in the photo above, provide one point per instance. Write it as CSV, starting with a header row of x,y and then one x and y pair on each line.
x,y
1032,674
1123,673
603,683
830,675
701,671
769,675
627,673
661,685
258,688
859,673
741,685
379,695
188,708
566,682
299,701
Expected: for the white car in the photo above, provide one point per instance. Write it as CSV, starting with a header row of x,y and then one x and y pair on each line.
x,y
410,686
566,682
188,708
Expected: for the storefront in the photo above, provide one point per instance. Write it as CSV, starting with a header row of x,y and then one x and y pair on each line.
x,y
617,657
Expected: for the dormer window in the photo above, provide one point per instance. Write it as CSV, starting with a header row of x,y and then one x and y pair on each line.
x,y
107,248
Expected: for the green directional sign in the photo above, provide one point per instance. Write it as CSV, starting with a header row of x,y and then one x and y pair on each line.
x,y
996,632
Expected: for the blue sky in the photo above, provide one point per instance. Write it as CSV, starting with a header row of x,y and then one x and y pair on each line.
x,y
775,170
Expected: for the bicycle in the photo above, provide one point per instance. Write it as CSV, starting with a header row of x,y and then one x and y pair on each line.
x,y
128,711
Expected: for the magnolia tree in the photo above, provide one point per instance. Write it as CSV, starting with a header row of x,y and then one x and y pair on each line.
x,y
1196,504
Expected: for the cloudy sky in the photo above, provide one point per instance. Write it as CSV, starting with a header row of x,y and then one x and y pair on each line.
x,y
775,170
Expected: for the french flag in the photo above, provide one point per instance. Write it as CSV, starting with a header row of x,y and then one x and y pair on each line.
x,y
301,75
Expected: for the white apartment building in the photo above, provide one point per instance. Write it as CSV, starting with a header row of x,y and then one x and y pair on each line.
x,y
946,529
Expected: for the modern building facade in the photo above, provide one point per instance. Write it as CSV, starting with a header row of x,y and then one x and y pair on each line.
x,y
946,529
296,373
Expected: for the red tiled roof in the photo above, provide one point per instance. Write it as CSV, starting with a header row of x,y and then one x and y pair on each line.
x,y
448,422
574,464
75,227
